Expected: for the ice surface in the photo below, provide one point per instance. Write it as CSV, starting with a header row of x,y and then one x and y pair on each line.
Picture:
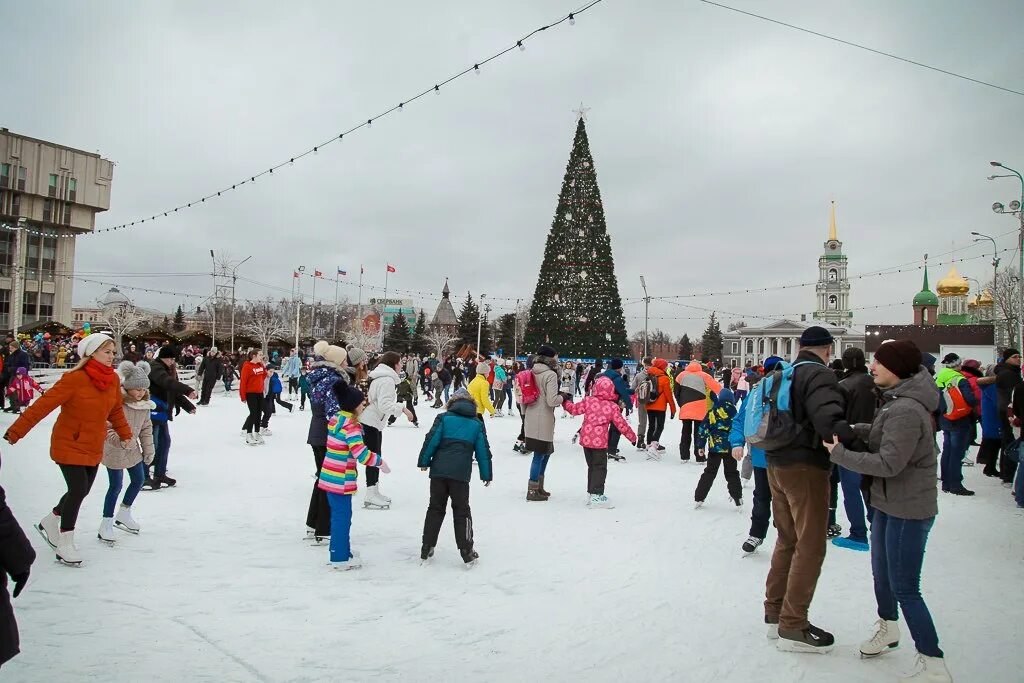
x,y
221,586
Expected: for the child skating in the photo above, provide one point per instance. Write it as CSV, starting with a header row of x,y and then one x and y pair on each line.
x,y
599,410
345,448
22,390
713,436
448,450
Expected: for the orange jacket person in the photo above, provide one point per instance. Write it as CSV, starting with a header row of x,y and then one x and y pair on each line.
x,y
89,396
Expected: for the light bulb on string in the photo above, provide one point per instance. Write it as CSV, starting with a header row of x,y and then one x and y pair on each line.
x,y
522,48
572,19
476,69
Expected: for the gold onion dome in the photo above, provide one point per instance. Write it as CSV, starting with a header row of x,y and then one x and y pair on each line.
x,y
984,299
953,284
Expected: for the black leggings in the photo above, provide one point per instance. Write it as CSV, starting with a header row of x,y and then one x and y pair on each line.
x,y
255,403
318,517
655,425
707,477
79,479
372,438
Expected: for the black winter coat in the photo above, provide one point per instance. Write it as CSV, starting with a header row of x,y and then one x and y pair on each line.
x,y
818,409
1007,379
211,369
861,398
16,556
164,385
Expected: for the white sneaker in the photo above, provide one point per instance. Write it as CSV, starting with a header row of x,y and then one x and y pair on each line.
x,y
66,550
106,532
599,502
928,670
374,500
251,440
885,639
49,529
266,431
259,439
124,520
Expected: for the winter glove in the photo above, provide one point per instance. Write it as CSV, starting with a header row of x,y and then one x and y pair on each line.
x,y
19,583
384,467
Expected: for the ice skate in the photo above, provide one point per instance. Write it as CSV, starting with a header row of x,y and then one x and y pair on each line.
x,y
834,531
67,553
151,484
641,445
653,455
738,502
266,432
599,502
469,558
251,440
374,501
387,498
124,521
810,639
885,639
244,433
347,565
106,532
320,540
49,529
617,457
259,439
425,554
575,438
752,544
166,481
310,533
697,505
928,670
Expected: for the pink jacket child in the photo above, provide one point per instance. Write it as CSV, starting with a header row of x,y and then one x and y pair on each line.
x,y
599,410
22,389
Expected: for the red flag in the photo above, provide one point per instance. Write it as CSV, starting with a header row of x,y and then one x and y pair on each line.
x,y
391,269
295,273
317,273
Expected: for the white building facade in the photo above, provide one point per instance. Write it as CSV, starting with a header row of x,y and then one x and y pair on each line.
x,y
749,346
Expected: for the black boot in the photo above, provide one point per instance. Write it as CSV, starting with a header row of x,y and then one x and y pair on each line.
x,y
469,556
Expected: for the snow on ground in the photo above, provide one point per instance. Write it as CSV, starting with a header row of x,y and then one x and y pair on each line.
x,y
221,586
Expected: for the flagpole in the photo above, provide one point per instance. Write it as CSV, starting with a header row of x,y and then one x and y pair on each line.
x,y
298,307
336,274
360,321
312,308
384,306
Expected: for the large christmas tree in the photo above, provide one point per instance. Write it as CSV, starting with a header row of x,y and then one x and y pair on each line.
x,y
576,307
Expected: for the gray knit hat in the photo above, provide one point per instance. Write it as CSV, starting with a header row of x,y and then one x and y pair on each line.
x,y
134,375
355,355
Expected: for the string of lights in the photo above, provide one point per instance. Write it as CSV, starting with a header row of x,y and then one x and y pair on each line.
x,y
519,44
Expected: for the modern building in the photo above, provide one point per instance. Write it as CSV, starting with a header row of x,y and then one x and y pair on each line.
x,y
751,345
49,194
833,289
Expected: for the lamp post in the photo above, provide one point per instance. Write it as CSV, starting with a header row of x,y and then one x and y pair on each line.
x,y
1015,208
234,281
647,304
480,323
213,306
978,237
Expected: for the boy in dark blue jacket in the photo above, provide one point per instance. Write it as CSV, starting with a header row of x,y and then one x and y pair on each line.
x,y
448,451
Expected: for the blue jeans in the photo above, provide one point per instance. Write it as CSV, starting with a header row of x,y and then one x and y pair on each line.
x,y
447,391
162,444
341,526
508,393
956,436
1018,483
136,475
537,467
897,553
853,502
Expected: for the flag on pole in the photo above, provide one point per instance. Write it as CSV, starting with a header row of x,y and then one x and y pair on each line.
x,y
391,269
342,271
361,271
295,273
317,273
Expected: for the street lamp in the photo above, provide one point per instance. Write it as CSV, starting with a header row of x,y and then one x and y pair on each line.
x,y
213,307
979,237
647,305
234,281
1015,208
480,323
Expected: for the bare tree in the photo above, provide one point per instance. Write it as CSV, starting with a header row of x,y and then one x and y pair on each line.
x,y
121,315
738,325
359,337
265,322
442,338
1007,306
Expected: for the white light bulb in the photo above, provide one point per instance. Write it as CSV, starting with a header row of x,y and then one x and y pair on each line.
x,y
572,20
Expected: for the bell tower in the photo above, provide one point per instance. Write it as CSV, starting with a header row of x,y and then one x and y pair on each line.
x,y
833,288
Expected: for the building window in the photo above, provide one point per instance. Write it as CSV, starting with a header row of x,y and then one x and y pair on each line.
x,y
833,275
46,306
750,346
32,243
67,214
5,307
735,348
52,190
72,189
7,238
48,210
22,177
833,302
15,204
28,307
5,175
48,264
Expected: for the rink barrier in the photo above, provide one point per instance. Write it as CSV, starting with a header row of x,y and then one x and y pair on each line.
x,y
48,376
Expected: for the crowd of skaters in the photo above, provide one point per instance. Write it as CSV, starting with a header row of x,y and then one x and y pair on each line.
x,y
867,432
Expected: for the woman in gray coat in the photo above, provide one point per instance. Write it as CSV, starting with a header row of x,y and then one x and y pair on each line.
x,y
539,426
903,501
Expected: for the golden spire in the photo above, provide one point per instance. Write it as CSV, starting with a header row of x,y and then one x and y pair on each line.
x,y
832,223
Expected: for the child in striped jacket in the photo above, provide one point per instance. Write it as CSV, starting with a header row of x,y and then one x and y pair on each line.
x,y
345,448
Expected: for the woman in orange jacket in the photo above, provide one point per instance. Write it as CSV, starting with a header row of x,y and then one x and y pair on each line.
x,y
252,389
657,408
89,396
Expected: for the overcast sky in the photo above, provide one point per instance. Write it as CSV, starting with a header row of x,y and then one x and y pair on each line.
x,y
718,139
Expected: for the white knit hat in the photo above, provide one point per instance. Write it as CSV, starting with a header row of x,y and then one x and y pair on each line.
x,y
330,352
91,344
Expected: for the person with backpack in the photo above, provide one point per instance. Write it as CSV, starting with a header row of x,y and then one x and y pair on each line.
x,y
858,389
957,404
900,459
693,387
660,400
761,510
542,387
522,374
639,385
991,434
798,474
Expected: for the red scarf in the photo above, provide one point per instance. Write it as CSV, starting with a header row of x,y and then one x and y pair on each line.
x,y
102,376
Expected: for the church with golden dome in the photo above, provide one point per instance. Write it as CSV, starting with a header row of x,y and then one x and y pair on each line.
x,y
953,304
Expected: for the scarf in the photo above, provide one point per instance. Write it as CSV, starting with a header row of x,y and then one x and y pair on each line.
x,y
102,376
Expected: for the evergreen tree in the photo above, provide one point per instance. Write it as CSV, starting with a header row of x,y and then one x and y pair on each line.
x,y
166,325
505,331
685,348
576,306
711,342
179,320
419,337
469,316
397,335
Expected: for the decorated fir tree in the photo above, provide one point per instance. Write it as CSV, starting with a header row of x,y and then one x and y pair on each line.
x,y
576,306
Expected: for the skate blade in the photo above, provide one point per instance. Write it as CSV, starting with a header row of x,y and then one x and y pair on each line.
x,y
42,532
111,543
372,506
888,649
786,645
65,563
122,527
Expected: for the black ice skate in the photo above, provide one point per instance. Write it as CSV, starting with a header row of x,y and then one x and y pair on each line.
x,y
469,557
